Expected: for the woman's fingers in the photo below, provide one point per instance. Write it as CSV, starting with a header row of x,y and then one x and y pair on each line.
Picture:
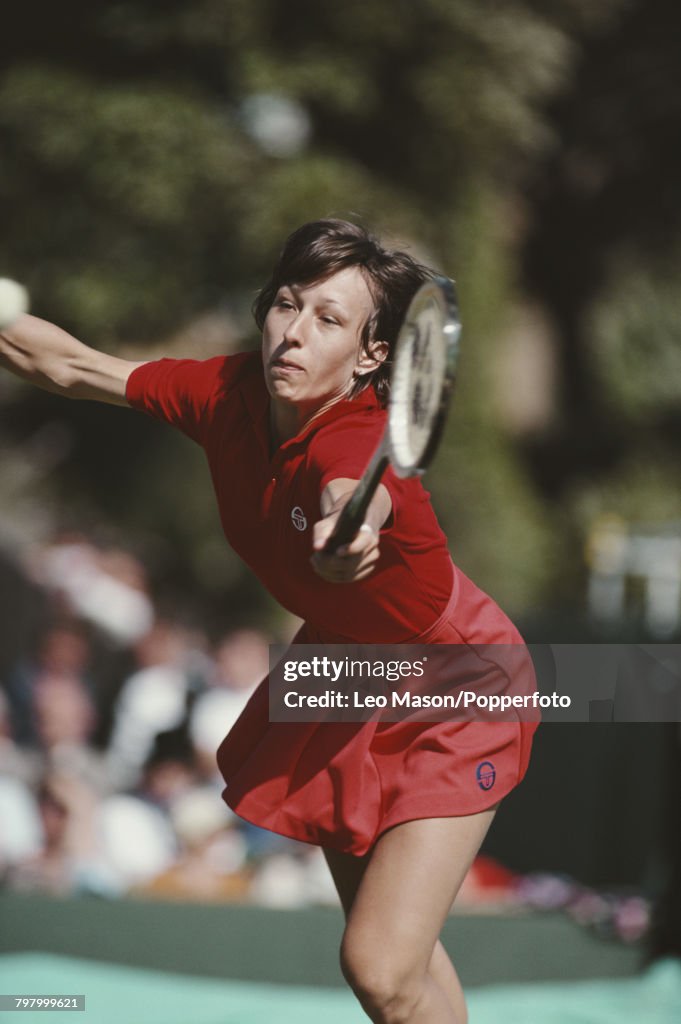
x,y
353,561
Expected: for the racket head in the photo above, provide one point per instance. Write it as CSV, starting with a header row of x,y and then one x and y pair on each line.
x,y
423,376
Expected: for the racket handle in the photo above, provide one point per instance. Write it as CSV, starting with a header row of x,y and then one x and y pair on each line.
x,y
352,516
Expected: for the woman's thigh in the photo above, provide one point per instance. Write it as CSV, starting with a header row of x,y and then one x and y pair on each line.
x,y
346,871
403,893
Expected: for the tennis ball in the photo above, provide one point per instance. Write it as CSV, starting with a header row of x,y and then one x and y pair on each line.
x,y
13,301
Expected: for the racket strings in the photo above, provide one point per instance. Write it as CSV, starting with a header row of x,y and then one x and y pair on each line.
x,y
419,378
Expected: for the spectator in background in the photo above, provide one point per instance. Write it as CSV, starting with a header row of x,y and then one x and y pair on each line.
x,y
70,858
65,720
63,652
20,832
156,698
15,761
212,859
107,588
137,832
241,660
20,827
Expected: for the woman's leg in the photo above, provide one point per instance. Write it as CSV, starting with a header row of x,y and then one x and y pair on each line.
x,y
402,897
347,872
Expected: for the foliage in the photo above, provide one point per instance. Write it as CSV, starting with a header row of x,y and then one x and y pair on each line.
x,y
155,154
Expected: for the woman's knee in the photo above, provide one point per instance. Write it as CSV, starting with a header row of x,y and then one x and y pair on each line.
x,y
387,989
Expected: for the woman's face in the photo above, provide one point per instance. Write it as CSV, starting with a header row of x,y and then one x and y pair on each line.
x,y
312,341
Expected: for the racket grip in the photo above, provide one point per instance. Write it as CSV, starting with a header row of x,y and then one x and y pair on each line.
x,y
354,512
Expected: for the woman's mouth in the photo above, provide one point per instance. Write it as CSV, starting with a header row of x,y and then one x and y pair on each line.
x,y
286,366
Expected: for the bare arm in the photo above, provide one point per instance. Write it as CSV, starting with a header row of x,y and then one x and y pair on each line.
x,y
44,355
358,558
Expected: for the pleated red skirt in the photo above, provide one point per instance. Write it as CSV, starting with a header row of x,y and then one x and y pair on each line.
x,y
341,785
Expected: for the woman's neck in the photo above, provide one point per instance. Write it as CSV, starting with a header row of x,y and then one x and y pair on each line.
x,y
284,424
287,421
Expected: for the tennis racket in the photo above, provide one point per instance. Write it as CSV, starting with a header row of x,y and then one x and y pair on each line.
x,y
422,380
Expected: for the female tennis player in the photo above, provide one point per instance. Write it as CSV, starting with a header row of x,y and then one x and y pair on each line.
x,y
399,808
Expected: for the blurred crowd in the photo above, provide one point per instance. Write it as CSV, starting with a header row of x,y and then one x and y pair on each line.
x,y
110,718
108,733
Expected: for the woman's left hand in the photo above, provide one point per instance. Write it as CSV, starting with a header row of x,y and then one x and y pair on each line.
x,y
356,560
350,562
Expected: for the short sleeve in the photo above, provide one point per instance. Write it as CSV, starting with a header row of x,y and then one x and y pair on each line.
x,y
183,392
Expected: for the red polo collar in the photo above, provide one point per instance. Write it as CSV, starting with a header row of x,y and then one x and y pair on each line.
x,y
257,400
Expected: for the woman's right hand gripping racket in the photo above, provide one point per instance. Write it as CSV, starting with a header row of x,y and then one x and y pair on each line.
x,y
422,380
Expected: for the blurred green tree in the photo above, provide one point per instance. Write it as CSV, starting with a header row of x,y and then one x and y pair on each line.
x,y
155,154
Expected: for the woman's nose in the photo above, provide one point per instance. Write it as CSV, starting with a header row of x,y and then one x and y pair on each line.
x,y
294,330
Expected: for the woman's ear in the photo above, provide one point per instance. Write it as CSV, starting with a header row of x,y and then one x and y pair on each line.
x,y
371,359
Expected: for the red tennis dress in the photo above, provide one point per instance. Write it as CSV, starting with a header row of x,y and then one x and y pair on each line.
x,y
336,784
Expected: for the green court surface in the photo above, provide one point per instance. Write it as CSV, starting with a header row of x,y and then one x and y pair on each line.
x,y
127,995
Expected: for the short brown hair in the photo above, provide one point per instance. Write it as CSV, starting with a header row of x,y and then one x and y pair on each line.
x,y
323,247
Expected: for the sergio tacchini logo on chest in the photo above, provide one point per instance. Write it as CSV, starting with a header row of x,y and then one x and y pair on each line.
x,y
298,518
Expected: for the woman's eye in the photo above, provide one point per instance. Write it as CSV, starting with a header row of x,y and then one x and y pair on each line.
x,y
330,320
284,304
